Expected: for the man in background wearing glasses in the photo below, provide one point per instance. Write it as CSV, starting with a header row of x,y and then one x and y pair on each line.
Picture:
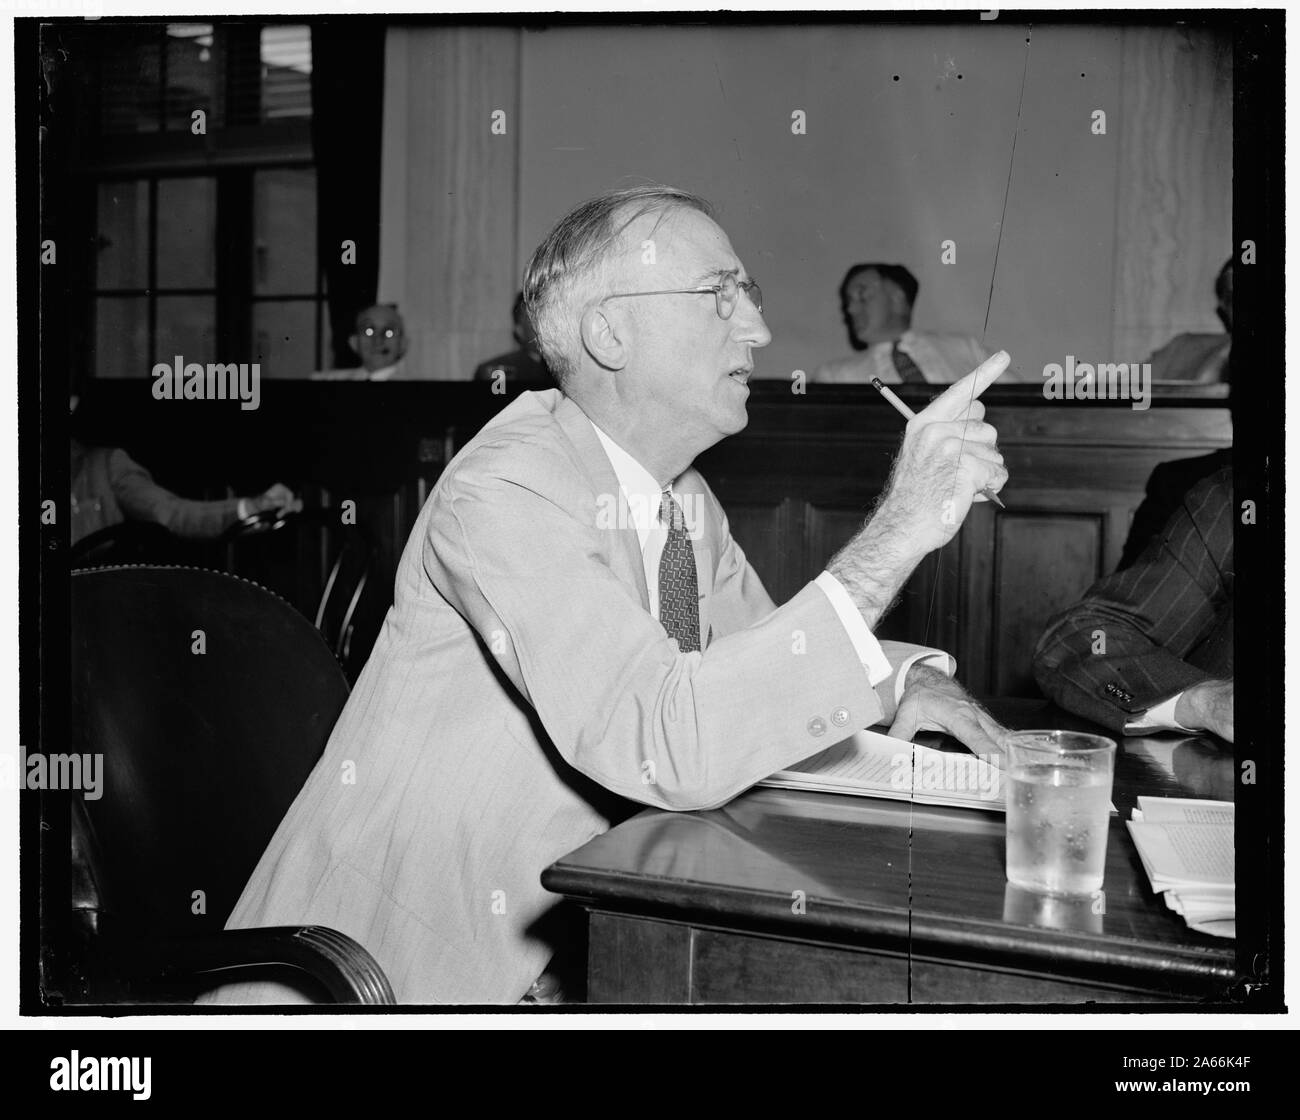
x,y
574,627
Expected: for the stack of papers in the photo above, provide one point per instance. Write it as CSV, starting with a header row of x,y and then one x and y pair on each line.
x,y
1187,849
869,764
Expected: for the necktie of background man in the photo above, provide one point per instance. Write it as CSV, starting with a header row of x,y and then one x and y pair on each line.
x,y
679,592
907,369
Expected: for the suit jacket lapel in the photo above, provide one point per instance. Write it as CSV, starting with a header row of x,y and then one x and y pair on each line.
x,y
582,436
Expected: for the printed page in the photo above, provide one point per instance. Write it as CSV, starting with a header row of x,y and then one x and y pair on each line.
x,y
875,765
1185,810
1177,854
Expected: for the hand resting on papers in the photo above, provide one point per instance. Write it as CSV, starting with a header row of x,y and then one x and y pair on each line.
x,y
935,702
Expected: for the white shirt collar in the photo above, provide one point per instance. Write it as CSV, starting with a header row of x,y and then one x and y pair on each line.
x,y
384,374
640,488
906,339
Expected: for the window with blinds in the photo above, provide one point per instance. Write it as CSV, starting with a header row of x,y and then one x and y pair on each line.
x,y
205,244
154,76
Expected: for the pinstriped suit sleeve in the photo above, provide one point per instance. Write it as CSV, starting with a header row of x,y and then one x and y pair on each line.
x,y
525,562
1152,617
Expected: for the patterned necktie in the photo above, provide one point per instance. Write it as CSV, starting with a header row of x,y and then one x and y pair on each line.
x,y
907,369
679,592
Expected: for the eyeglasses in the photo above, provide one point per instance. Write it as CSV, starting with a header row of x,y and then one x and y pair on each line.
x,y
726,294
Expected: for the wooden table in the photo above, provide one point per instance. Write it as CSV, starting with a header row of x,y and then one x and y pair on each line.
x,y
790,897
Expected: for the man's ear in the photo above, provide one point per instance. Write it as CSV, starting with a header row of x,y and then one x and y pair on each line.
x,y
354,340
898,302
601,338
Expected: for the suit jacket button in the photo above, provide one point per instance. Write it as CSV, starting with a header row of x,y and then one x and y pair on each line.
x,y
840,717
817,726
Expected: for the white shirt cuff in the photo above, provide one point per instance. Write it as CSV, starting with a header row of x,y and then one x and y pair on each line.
x,y
1159,718
864,642
935,658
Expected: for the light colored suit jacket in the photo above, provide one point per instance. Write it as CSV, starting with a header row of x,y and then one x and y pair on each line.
x,y
519,681
396,372
109,487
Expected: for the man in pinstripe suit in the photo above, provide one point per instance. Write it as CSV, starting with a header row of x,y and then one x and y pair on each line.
x,y
1149,648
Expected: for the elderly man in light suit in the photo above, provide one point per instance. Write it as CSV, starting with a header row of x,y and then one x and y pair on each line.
x,y
575,628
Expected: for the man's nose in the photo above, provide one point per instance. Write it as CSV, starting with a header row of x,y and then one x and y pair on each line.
x,y
751,327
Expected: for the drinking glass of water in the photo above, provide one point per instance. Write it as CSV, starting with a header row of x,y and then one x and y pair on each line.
x,y
1058,810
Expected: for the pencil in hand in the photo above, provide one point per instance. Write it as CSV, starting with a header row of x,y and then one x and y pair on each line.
x,y
901,408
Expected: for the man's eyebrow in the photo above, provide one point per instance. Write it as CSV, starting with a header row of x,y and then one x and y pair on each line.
x,y
713,274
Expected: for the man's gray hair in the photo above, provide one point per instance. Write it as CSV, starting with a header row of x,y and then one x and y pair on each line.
x,y
569,268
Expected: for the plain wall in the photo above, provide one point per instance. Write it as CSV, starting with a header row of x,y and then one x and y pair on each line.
x,y
887,170
1094,261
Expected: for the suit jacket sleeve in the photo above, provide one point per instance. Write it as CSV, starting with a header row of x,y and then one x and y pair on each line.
x,y
620,703
1144,622
142,499
1158,505
1166,487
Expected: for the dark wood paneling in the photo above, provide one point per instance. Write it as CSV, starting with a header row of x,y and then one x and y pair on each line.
x,y
934,983
645,961
731,969
379,446
826,530
796,484
1028,547
637,961
763,532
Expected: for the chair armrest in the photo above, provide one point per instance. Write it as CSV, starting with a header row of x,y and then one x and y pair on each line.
x,y
348,972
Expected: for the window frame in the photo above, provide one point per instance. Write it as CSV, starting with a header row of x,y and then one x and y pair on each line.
x,y
230,155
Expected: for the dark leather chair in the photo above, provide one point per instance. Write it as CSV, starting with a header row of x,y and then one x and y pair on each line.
x,y
203,752
127,542
146,542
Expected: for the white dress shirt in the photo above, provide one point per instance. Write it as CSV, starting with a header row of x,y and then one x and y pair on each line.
x,y
360,373
643,494
1158,718
941,358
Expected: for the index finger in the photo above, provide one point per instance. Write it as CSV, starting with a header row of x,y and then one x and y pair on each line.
x,y
950,404
971,732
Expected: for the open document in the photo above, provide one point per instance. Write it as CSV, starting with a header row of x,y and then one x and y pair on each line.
x,y
1187,850
870,764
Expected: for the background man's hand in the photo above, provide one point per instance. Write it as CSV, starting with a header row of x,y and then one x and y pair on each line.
x,y
279,498
935,702
948,456
1207,706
